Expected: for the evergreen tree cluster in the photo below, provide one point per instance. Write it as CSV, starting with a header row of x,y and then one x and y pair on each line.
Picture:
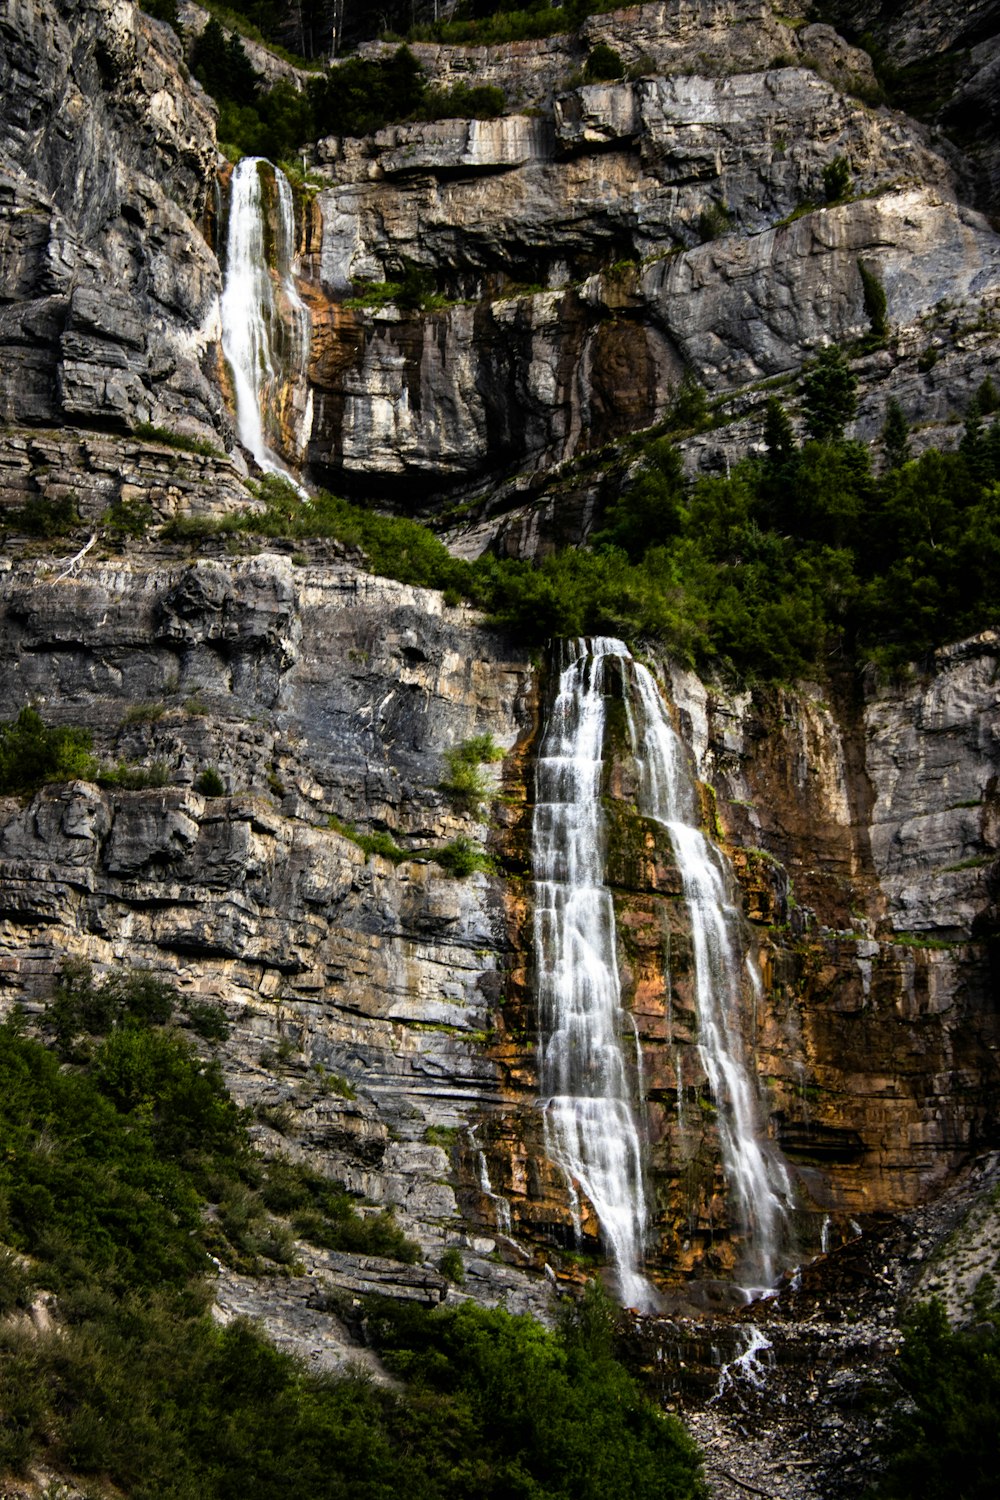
x,y
125,1165
357,97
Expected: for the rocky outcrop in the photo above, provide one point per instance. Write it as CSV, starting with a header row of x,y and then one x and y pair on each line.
x,y
363,990
664,223
108,291
865,836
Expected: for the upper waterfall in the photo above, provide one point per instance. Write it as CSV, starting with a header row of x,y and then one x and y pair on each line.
x,y
265,323
588,1080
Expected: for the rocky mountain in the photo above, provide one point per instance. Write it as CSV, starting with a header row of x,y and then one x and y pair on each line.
x,y
491,302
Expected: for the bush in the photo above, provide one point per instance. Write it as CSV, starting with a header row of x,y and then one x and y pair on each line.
x,y
452,1265
462,857
944,1444
43,517
210,783
829,394
463,101
876,306
603,65
130,778
837,179
465,783
31,754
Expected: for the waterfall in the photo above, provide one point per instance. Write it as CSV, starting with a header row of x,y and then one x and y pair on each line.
x,y
590,1129
265,323
756,1177
590,1125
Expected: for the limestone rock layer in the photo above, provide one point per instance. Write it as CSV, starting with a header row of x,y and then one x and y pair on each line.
x,y
572,259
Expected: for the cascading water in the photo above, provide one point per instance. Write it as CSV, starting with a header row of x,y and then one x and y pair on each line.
x,y
590,1125
590,1129
756,1176
265,323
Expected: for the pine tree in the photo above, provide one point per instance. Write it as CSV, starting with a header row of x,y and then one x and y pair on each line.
x,y
896,435
829,395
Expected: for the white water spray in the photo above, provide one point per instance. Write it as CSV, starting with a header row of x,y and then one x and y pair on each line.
x,y
590,1128
746,1367
265,323
590,1124
756,1177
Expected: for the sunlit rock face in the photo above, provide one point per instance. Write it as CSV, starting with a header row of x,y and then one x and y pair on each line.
x,y
578,256
598,208
107,157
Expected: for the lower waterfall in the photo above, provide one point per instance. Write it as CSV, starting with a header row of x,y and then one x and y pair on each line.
x,y
590,1127
265,323
588,1082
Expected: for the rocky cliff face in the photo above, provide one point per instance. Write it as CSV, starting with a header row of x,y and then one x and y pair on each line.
x,y
866,842
586,251
109,293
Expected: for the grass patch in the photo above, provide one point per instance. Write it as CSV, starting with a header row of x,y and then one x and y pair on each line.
x,y
176,440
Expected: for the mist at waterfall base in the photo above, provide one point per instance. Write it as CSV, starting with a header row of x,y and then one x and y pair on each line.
x,y
265,323
590,1085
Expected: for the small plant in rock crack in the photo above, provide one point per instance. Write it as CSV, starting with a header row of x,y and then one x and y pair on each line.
x,y
465,783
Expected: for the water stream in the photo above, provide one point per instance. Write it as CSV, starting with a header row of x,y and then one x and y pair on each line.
x,y
265,323
755,1174
590,1088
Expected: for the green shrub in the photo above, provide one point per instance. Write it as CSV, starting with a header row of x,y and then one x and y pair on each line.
x,y
944,1443
829,394
176,440
463,101
128,518
210,783
603,65
837,179
452,1265
43,517
131,778
465,783
876,306
381,843
32,754
713,222
462,857
207,1020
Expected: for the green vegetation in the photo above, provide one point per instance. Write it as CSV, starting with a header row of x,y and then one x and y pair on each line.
x,y
465,783
32,754
944,1442
876,306
42,517
381,842
485,22
603,64
176,440
357,97
837,179
462,857
210,783
452,1266
530,1412
798,558
131,778
125,1165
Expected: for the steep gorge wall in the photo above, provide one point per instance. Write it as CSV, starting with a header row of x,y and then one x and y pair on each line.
x,y
867,847
330,693
565,247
